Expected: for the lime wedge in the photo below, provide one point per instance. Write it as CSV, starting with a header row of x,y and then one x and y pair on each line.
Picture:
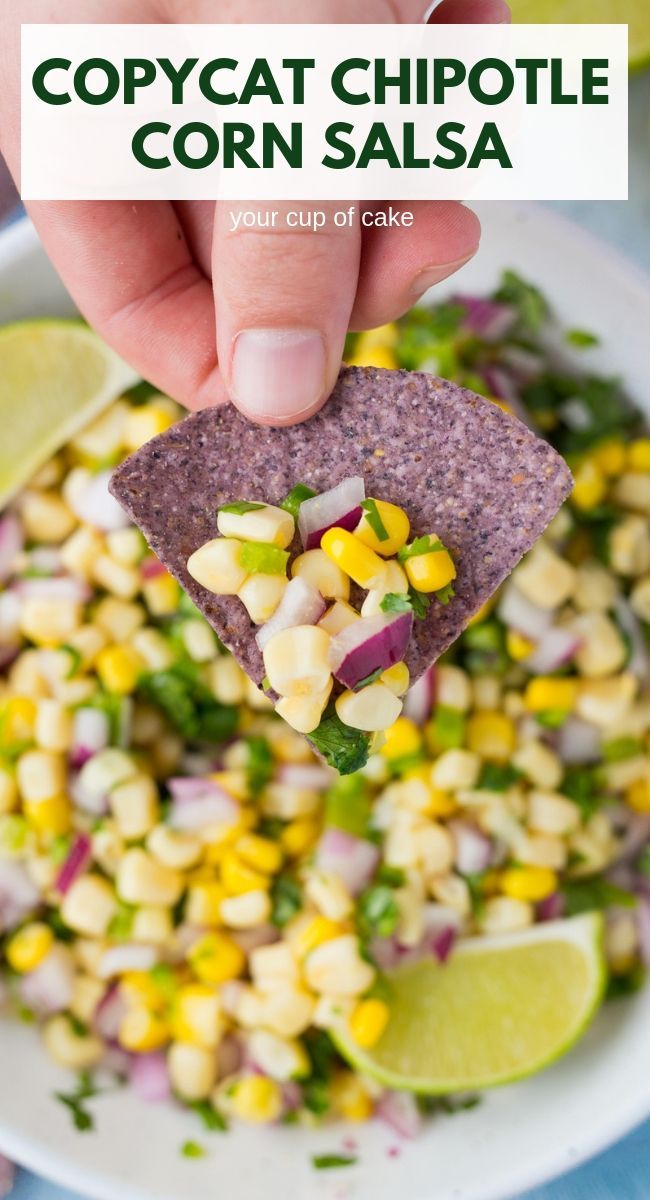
x,y
501,1008
635,13
55,376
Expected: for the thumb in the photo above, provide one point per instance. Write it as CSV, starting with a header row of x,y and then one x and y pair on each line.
x,y
283,298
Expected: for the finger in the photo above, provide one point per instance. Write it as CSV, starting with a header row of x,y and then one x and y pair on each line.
x,y
471,12
283,298
197,221
400,264
129,268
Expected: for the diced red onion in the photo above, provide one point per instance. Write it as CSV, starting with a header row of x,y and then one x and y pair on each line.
x,y
519,613
46,559
305,775
110,1013
473,848
19,895
501,384
340,506
91,732
195,764
301,604
552,907
151,567
8,654
441,944
576,414
129,956
83,798
260,935
97,507
639,663
48,989
643,925
11,543
400,1111
369,644
149,1077
75,864
231,994
385,952
525,365
116,1061
556,647
291,1095
205,804
58,587
353,860
578,741
488,319
230,1056
421,696
7,1176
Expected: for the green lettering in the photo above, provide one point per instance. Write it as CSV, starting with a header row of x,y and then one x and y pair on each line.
x,y
447,73
272,139
458,151
378,147
260,82
237,141
558,96
410,158
141,153
40,75
475,81
333,138
211,145
112,81
339,84
177,75
531,68
138,72
207,74
298,66
401,81
489,145
590,80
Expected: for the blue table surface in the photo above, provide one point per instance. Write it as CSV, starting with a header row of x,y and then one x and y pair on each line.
x,y
622,1173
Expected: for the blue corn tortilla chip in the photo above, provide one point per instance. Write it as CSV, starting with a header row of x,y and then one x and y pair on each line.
x,y
458,465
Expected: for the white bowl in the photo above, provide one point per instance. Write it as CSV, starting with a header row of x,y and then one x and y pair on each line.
x,y
518,1136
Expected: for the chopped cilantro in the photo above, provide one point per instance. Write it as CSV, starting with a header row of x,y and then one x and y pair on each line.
x,y
348,805
121,924
373,517
497,778
619,986
261,558
193,1150
377,911
551,718
76,660
585,895
581,338
445,594
643,864
411,601
344,748
212,1119
372,678
188,703
60,848
292,502
286,900
446,728
531,307
239,507
325,1162
621,748
427,544
259,764
392,876
316,1096
75,1102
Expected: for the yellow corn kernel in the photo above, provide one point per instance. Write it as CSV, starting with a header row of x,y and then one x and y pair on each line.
x,y
610,457
368,1021
492,735
547,692
162,594
29,946
638,455
256,1099
8,790
396,525
260,853
441,804
638,796
118,668
312,933
430,572
145,423
378,355
142,1031
397,678
349,1097
237,877
299,836
203,906
18,720
483,612
197,1016
352,557
215,958
403,738
589,485
139,990
528,883
53,816
518,646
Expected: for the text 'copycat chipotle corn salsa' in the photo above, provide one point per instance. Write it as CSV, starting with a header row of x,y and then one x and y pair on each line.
x,y
311,636
188,898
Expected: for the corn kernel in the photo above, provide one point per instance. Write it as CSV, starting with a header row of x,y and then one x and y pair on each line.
x,y
638,455
247,911
52,817
610,457
103,437
126,545
29,947
316,568
197,1016
492,735
161,594
335,966
118,619
256,1099
145,423
352,557
69,1049
296,661
373,356
299,836
18,720
589,487
544,577
266,523
518,646
396,678
350,1098
396,526
441,804
142,1031
260,853
45,516
237,877
482,613
49,621
8,790
638,796
216,566
278,1057
81,550
403,738
134,805
143,880
203,905
430,572
115,577
192,1070
368,1021
118,668
139,990
215,958
89,905
53,728
528,883
305,934
548,692
153,924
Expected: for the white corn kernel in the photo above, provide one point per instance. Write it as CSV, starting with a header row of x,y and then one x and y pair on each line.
x,y
545,578
372,709
332,1012
115,577
177,850
279,1058
595,588
108,847
153,648
89,905
435,848
261,594
246,911
265,524
41,775
453,688
296,660
49,621
76,1052
632,490
227,680
336,967
541,850
45,517
87,992
453,892
126,545
456,769
550,812
393,580
255,697
152,925
104,436
503,914
88,641
216,566
53,727
105,771
329,895
134,805
192,1070
539,764
605,701
411,915
199,640
81,550
303,713
273,966
640,599
629,546
143,880
285,1010
339,615
118,619
602,650
486,691
287,801
316,568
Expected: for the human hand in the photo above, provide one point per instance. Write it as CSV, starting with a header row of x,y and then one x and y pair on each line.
x,y
259,316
